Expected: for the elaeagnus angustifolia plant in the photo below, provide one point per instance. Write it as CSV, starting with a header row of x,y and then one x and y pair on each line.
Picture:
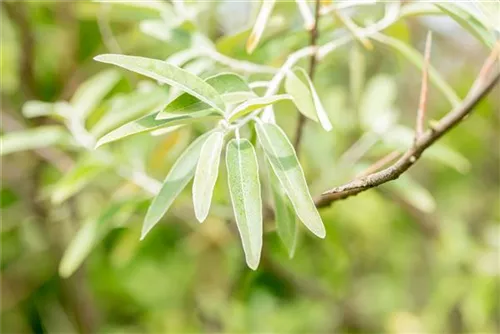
x,y
237,88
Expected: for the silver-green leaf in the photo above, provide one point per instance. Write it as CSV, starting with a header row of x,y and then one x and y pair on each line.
x,y
244,188
206,174
284,214
179,176
286,166
149,123
169,74
300,87
254,104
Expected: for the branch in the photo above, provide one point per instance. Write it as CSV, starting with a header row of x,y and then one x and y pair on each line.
x,y
312,68
392,172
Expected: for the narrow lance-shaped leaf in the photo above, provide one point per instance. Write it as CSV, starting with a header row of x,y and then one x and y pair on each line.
x,y
244,188
31,139
469,22
91,92
231,87
286,166
300,87
169,74
126,108
284,214
260,24
254,104
149,123
179,176
206,174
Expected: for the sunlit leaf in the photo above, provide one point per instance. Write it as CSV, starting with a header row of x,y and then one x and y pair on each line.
x,y
30,139
300,87
286,222
126,108
169,74
149,123
256,103
179,176
90,93
260,25
469,22
206,174
244,188
286,166
491,12
417,59
82,173
231,87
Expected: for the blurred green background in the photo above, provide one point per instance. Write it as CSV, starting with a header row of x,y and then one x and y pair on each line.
x,y
417,255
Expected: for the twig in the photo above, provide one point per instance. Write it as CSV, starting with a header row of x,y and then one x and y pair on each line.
x,y
377,165
423,92
312,67
413,154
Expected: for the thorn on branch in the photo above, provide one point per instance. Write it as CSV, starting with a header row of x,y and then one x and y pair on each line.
x,y
422,105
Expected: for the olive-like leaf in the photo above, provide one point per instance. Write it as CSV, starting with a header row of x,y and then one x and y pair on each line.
x,y
254,104
284,214
179,176
231,87
206,174
149,123
300,87
286,166
169,74
244,188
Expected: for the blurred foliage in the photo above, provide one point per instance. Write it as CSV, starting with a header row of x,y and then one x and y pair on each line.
x,y
418,255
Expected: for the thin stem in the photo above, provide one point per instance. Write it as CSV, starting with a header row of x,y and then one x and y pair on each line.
x,y
312,67
422,106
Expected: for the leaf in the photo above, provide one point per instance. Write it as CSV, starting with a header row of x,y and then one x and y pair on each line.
x,y
206,174
90,93
413,193
231,87
260,24
179,176
300,87
169,74
417,59
91,233
469,22
254,104
149,123
78,177
126,108
30,139
35,108
286,223
286,166
376,110
244,188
